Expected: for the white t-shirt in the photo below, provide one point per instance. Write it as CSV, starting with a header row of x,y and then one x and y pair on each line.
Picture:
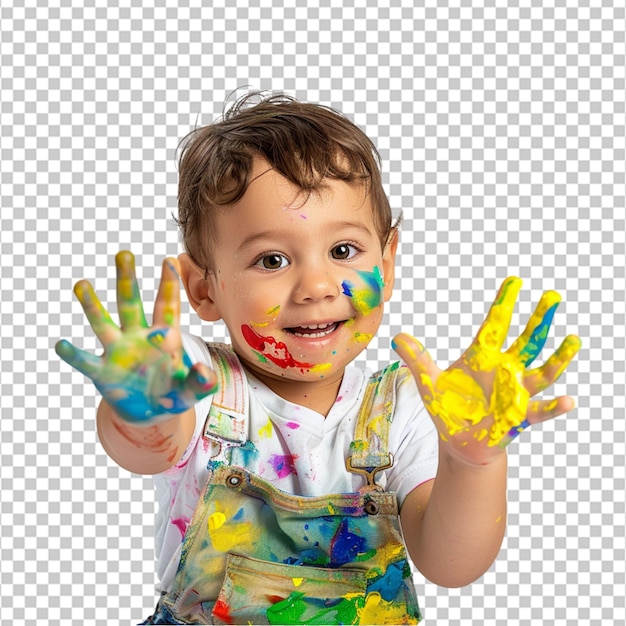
x,y
297,449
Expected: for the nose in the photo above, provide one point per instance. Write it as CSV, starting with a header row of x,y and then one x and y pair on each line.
x,y
316,284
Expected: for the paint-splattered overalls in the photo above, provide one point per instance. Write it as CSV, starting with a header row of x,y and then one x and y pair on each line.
x,y
255,554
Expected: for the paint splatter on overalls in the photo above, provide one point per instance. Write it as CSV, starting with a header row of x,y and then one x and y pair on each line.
x,y
255,554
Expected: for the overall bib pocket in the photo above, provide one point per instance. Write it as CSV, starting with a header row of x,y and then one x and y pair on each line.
x,y
289,594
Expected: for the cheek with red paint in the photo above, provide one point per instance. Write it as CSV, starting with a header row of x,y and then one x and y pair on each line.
x,y
276,351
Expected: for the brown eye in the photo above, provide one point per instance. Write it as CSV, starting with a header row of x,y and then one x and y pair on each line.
x,y
343,251
273,262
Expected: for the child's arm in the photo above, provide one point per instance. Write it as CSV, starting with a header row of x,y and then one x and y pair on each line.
x,y
148,384
144,449
454,525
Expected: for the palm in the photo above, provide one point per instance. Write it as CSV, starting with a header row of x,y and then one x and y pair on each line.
x,y
144,372
483,400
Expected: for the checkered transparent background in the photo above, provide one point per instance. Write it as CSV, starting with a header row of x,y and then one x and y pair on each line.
x,y
502,129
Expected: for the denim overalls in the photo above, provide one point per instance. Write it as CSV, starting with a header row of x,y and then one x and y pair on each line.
x,y
255,554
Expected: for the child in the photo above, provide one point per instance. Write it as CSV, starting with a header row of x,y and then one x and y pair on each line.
x,y
283,473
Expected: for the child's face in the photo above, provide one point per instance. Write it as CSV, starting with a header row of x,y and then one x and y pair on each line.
x,y
300,283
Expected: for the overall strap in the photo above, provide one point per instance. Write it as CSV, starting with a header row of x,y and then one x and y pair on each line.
x,y
227,421
370,448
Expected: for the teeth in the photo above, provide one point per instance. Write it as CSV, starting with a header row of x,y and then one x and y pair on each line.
x,y
323,330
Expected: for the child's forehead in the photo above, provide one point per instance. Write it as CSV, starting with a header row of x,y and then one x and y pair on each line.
x,y
267,181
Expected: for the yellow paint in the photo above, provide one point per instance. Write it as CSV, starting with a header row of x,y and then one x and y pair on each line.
x,y
168,289
157,339
125,288
225,534
297,581
459,401
480,435
265,432
551,405
216,521
169,315
379,611
363,337
321,367
272,313
566,352
388,553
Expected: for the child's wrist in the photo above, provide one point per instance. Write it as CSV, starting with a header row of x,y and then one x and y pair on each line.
x,y
458,461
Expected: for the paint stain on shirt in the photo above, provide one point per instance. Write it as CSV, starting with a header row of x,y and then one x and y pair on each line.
x,y
283,464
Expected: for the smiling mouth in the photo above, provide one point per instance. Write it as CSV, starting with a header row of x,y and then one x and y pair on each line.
x,y
314,331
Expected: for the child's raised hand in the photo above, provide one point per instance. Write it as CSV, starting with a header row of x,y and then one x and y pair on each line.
x,y
483,400
144,372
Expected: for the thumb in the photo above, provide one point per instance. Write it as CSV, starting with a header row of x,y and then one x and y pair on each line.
x,y
417,358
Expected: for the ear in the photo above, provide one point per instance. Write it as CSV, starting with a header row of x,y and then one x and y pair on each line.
x,y
200,289
389,263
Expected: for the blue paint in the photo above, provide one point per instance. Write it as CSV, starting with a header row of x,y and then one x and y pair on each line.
x,y
389,584
347,287
345,546
515,432
538,338
134,406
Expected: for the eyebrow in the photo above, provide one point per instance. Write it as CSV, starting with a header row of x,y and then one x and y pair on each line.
x,y
334,226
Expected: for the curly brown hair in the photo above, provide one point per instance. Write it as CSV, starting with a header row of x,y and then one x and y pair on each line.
x,y
303,142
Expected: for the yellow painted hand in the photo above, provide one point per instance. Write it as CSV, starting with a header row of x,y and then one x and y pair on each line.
x,y
484,400
144,373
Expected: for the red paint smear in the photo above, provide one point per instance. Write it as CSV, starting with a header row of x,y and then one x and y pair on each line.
x,y
149,439
275,348
274,599
222,611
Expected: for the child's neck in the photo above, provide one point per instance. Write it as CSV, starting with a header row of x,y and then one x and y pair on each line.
x,y
318,396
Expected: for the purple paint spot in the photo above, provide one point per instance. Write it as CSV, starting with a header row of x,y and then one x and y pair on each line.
x,y
339,399
303,216
181,523
292,425
283,464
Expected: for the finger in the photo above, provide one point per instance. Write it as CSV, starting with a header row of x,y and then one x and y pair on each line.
x,y
495,328
169,341
413,353
544,410
539,378
530,343
167,305
200,382
418,360
129,305
85,362
105,328
540,411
